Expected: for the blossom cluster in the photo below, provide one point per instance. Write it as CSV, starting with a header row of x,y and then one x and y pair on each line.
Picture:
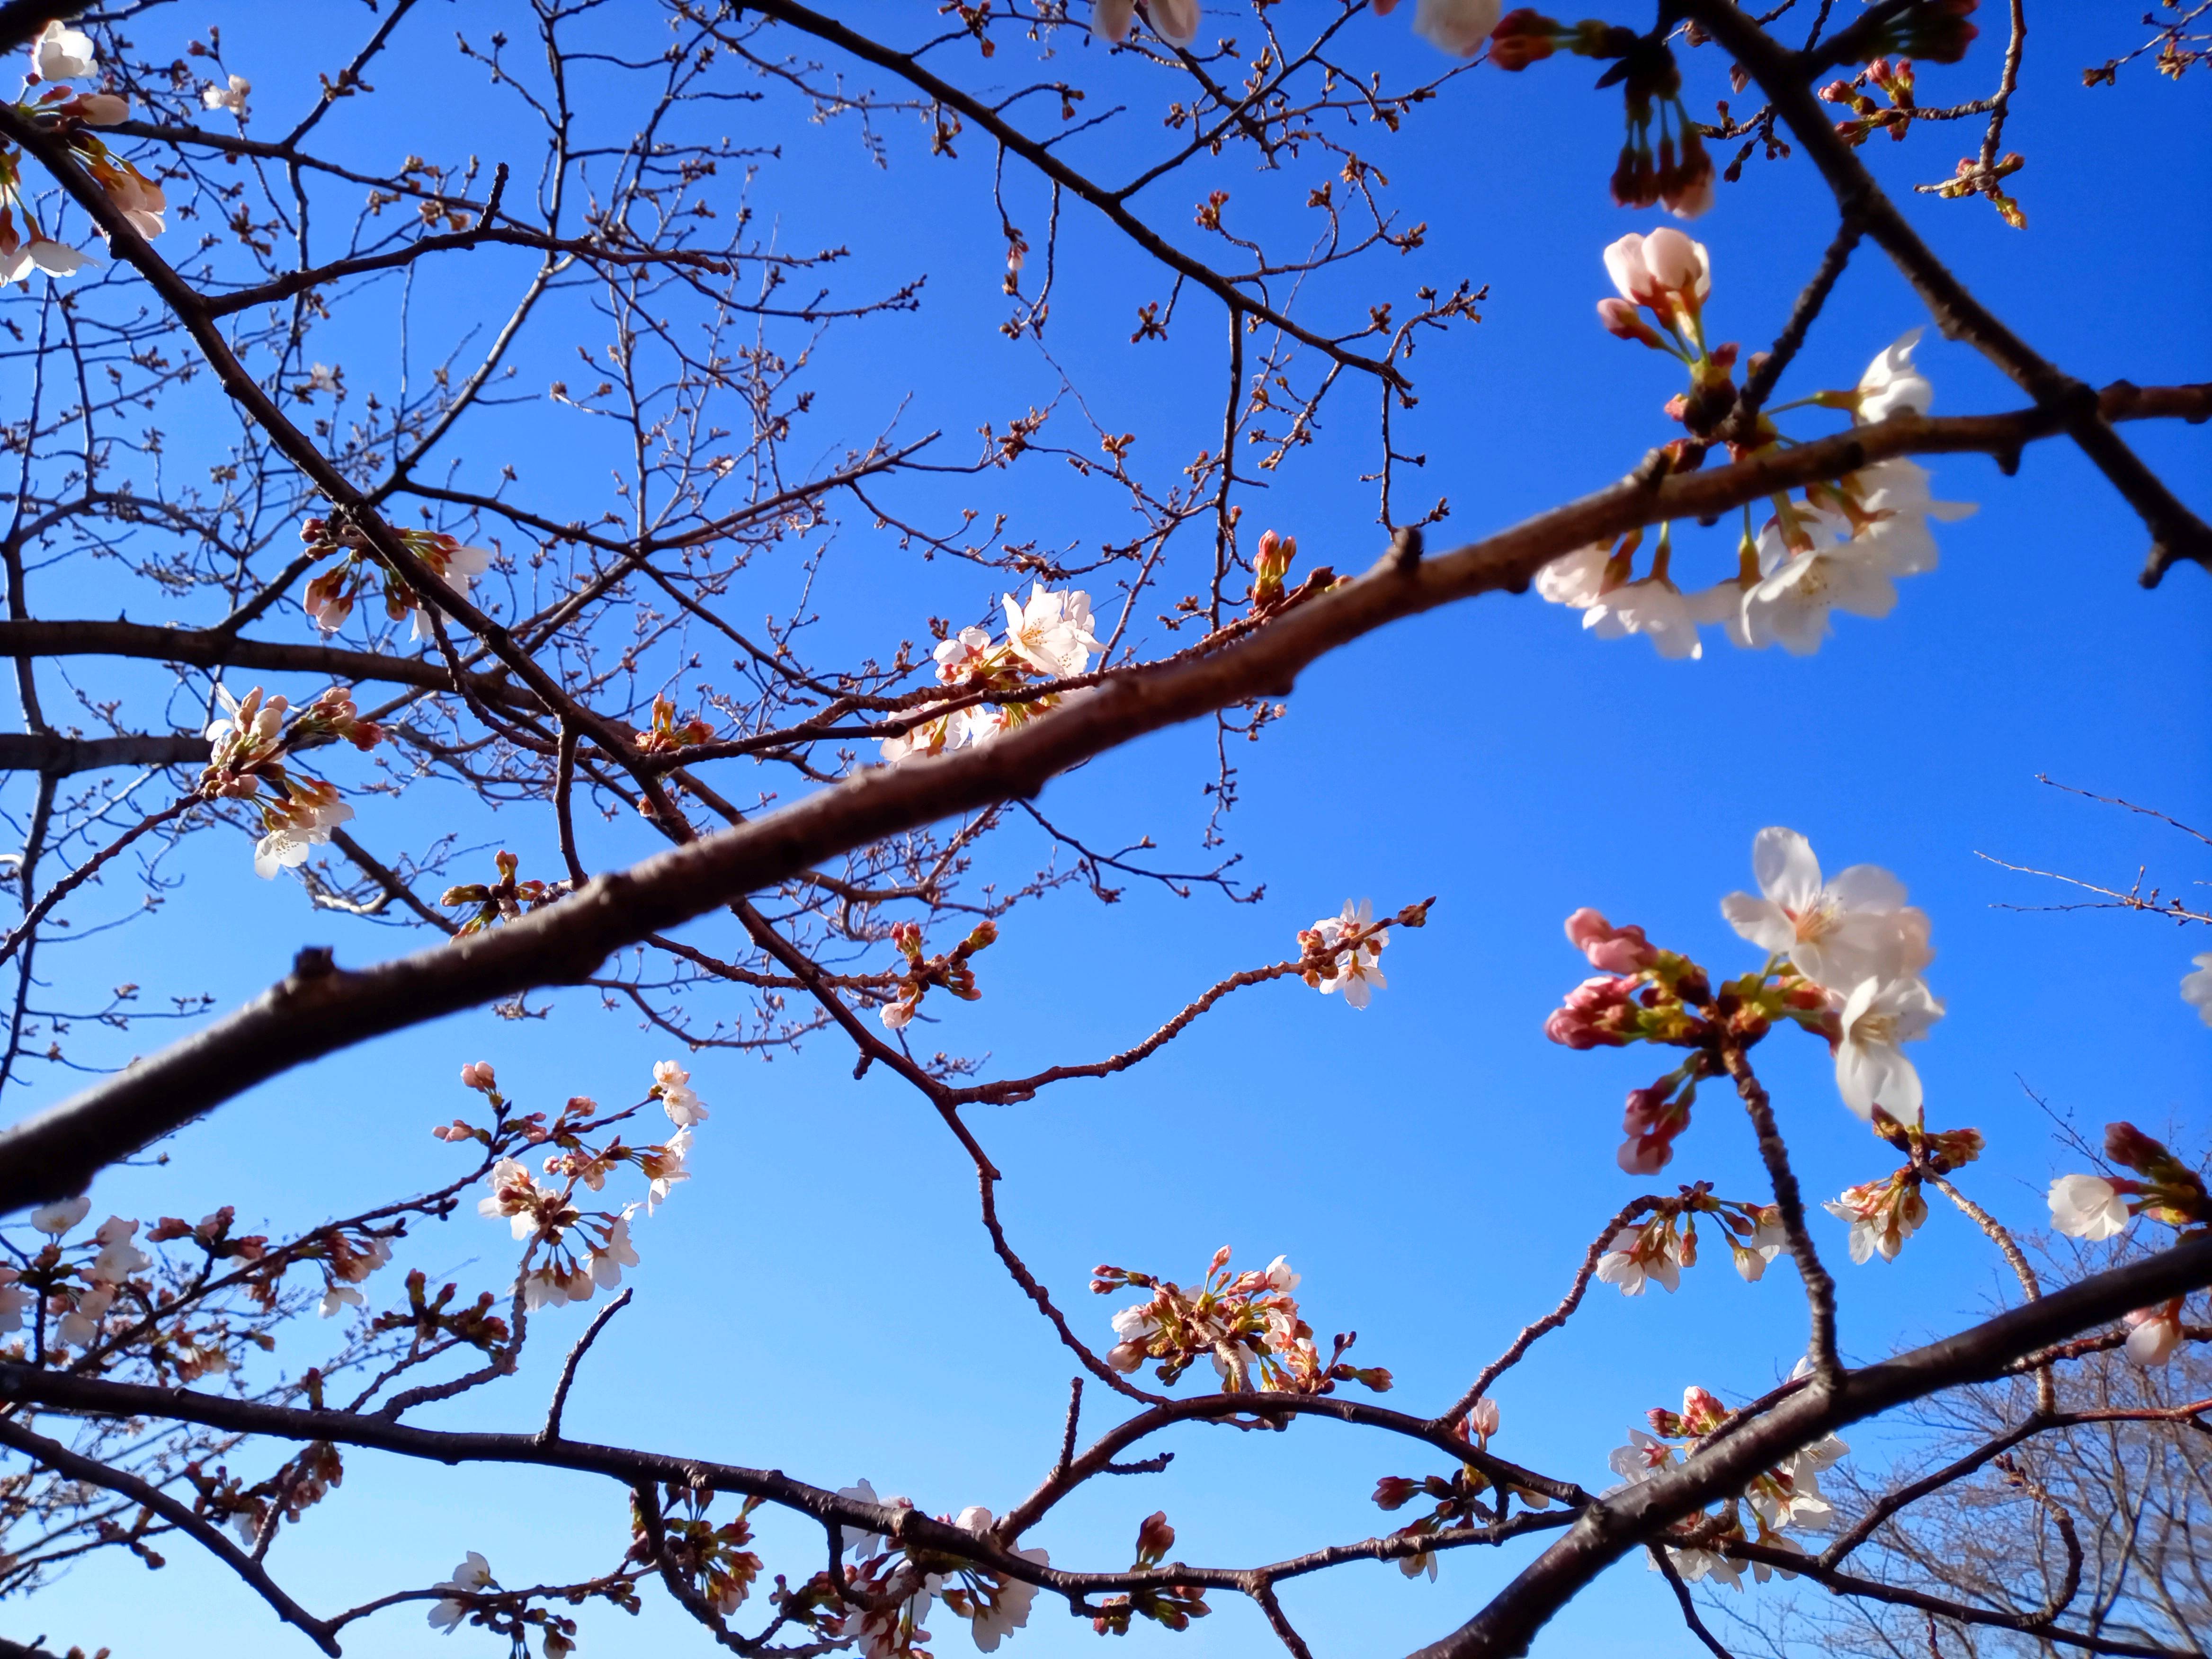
x,y
1845,959
2097,1207
1841,546
473,1595
330,598
1171,1606
1344,952
1457,1498
1784,1496
895,1585
504,900
1049,638
249,748
953,969
1655,1251
570,1252
1247,1323
61,54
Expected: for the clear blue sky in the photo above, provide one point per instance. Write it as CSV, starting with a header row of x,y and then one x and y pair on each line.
x,y
820,1298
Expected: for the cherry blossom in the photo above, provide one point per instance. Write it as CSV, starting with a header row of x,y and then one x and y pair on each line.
x,y
1458,26
337,1296
79,1328
1836,933
61,53
460,567
1891,382
1665,272
1871,1069
1611,950
1177,20
14,1300
472,1577
119,1257
1357,972
1883,1214
1801,586
2196,988
2154,1332
230,95
2087,1207
672,1084
1638,1255
58,1217
993,1605
1052,633
1653,607
1643,1458
663,1166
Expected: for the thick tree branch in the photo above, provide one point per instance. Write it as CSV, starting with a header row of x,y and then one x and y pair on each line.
x,y
319,1010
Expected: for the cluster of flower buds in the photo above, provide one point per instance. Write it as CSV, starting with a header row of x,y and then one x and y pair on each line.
x,y
1271,567
953,969
2095,1207
59,54
667,735
1657,1249
473,1595
571,1253
504,900
1894,82
1248,1323
331,597
1675,170
1048,639
1344,952
297,1486
1172,1606
1458,1498
1645,995
249,746
1784,1495
713,1558
895,1585
1842,547
434,1319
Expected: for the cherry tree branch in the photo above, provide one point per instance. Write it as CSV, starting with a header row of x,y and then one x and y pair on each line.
x,y
319,1009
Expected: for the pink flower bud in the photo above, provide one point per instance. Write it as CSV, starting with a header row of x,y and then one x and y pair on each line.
x,y
478,1074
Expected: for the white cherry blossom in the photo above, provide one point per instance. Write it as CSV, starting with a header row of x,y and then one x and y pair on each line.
x,y
339,1296
463,566
1631,1267
1653,607
472,1576
2155,1334
2087,1207
1871,1069
15,1300
58,1217
229,94
61,53
1893,382
1800,587
1458,26
1836,933
119,1256
1358,973
682,1104
1643,1458
1051,633
2196,988
1660,271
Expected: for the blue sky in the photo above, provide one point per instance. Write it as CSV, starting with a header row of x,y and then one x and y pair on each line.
x,y
820,1298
